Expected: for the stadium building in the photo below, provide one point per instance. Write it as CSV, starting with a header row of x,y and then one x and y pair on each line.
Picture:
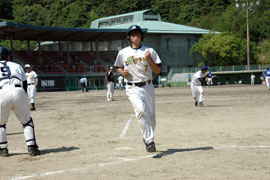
x,y
63,55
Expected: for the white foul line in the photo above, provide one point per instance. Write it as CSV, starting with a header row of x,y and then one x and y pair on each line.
x,y
124,131
82,169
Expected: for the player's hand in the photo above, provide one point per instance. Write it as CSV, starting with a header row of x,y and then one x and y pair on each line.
x,y
125,73
147,56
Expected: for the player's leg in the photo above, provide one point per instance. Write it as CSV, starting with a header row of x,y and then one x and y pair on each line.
x,y
5,107
82,87
267,82
112,90
86,89
31,96
137,99
108,91
22,112
200,89
194,90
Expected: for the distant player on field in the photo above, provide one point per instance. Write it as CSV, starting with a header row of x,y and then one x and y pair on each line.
x,y
32,84
196,85
267,77
83,83
136,63
110,84
210,79
252,77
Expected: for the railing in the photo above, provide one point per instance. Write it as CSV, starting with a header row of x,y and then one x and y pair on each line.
x,y
257,67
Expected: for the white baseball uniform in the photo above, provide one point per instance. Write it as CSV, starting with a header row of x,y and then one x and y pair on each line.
x,y
13,97
110,86
120,82
196,86
267,78
31,88
139,88
252,77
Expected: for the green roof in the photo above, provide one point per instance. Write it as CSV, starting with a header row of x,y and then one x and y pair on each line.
x,y
162,27
122,15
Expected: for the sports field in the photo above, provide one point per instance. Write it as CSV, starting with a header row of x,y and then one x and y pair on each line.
x,y
82,136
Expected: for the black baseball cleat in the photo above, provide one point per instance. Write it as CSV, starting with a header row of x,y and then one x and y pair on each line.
x,y
4,152
33,150
151,147
200,104
196,103
32,109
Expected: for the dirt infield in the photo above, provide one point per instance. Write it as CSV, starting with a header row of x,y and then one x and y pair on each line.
x,y
82,136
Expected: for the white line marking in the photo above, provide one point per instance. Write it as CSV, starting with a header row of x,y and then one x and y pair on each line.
x,y
124,131
82,169
124,148
117,162
235,146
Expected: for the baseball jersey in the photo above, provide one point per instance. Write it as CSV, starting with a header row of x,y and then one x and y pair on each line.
x,y
83,80
11,73
196,78
133,60
267,73
31,77
110,77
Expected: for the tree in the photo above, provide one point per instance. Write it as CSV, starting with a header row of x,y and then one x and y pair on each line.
x,y
222,49
6,9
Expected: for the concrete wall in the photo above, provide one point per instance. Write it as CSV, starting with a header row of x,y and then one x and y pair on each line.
x,y
174,50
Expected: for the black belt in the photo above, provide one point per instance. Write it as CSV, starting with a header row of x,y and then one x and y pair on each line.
x,y
140,84
16,85
31,84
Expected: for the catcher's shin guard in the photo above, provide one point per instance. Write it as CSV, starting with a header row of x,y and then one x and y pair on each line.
x,y
29,133
3,137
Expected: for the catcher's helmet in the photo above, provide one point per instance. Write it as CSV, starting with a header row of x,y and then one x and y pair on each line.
x,y
134,28
4,52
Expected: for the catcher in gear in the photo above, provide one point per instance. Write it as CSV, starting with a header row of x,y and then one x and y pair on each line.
x,y
13,88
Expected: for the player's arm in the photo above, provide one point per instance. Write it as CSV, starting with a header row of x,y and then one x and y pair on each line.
x,y
106,78
36,83
123,72
155,67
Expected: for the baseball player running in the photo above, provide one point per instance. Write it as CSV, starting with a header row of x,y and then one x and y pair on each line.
x,y
136,63
196,85
110,84
13,86
32,82
267,77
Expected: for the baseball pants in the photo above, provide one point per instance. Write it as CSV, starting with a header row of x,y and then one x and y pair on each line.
x,y
84,87
267,80
110,91
143,102
195,90
14,98
31,91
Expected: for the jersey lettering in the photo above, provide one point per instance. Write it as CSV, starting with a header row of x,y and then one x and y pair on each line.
x,y
133,60
5,71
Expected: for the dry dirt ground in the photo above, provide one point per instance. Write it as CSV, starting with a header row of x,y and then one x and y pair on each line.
x,y
82,136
